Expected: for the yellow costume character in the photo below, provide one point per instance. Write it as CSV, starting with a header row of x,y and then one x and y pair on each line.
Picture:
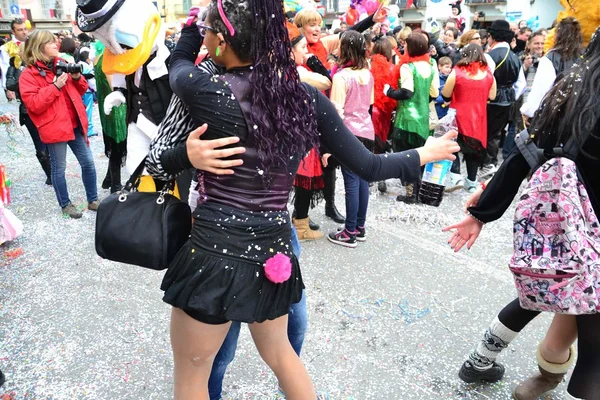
x,y
587,13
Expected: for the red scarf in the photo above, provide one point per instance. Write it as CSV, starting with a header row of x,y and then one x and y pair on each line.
x,y
406,59
319,50
474,68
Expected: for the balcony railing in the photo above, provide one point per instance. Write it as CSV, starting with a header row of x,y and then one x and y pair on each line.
x,y
480,2
403,4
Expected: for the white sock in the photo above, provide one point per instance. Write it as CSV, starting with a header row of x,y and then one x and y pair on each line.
x,y
495,339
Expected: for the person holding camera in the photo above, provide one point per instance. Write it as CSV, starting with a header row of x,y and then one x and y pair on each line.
x,y
51,90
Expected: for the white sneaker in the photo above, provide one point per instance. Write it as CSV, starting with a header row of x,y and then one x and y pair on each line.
x,y
455,182
486,171
470,186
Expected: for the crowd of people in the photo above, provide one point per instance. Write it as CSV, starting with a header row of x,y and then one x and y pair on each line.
x,y
289,114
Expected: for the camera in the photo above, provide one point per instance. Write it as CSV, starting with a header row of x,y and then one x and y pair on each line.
x,y
480,14
62,67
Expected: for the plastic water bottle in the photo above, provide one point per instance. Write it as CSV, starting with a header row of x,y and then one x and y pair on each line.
x,y
432,187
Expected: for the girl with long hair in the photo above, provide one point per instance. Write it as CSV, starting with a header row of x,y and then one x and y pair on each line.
x,y
352,94
238,263
309,21
308,183
569,111
468,88
558,61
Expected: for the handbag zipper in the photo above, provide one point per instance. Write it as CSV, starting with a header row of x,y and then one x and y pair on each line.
x,y
572,277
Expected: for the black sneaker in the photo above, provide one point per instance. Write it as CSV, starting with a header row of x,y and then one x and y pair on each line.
x,y
469,374
361,236
343,238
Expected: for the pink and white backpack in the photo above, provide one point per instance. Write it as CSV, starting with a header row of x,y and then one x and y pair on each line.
x,y
556,259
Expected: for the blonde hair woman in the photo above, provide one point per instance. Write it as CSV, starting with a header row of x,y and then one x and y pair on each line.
x,y
401,38
471,36
309,22
52,97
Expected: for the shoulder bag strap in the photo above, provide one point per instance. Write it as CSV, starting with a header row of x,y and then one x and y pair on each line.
x,y
532,154
134,179
503,60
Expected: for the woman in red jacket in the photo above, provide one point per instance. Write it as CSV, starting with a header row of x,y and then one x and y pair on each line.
x,y
53,99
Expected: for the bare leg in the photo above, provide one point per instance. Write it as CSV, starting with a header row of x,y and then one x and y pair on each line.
x,y
272,342
195,345
555,357
559,338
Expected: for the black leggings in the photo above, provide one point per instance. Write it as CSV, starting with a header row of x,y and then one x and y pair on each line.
x,y
514,317
585,381
302,202
472,162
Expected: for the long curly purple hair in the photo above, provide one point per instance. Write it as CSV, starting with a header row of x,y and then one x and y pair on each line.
x,y
282,109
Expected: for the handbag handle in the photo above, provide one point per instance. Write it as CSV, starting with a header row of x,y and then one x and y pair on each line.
x,y
135,179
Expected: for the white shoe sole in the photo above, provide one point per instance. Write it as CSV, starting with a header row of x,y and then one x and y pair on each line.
x,y
345,244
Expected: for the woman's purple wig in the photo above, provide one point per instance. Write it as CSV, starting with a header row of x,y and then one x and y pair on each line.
x,y
282,109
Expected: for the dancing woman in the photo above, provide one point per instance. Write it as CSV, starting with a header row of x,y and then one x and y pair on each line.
x,y
569,110
238,264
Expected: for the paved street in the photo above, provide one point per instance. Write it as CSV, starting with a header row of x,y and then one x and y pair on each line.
x,y
391,319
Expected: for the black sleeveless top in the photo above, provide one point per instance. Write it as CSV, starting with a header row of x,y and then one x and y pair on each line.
x,y
506,73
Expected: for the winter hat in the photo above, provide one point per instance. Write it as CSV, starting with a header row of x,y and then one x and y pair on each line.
x,y
294,34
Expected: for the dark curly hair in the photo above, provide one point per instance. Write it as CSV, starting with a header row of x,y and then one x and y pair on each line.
x,y
282,110
571,107
568,39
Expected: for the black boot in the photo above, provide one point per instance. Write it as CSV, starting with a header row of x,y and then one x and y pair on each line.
x,y
115,177
329,194
106,181
412,191
44,159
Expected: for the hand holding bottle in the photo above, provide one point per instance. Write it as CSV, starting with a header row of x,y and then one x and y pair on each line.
x,y
442,148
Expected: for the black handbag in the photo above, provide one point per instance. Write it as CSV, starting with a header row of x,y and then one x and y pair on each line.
x,y
145,229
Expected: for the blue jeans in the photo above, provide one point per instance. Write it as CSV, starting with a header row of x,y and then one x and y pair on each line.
x,y
58,165
509,141
88,101
297,324
357,200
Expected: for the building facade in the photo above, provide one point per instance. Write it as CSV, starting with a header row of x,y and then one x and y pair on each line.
x,y
42,14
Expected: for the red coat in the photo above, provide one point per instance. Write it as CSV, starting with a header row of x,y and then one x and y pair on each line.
x,y
47,106
383,72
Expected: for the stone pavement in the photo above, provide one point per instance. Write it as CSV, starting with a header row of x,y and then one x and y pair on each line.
x,y
391,319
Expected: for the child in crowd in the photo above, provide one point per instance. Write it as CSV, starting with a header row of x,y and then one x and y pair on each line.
x,y
89,95
352,94
444,68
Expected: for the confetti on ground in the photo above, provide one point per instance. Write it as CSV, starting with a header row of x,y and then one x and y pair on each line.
x,y
392,319
12,254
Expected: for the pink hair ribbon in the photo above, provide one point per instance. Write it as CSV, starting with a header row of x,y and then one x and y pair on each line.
x,y
224,18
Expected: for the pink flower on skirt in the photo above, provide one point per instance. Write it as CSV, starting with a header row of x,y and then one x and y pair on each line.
x,y
278,268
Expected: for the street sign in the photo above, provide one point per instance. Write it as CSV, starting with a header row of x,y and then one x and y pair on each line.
x,y
15,10
514,15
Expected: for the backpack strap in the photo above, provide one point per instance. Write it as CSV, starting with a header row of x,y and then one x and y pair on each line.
x,y
532,154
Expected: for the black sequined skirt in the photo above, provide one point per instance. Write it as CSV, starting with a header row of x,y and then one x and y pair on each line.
x,y
219,272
